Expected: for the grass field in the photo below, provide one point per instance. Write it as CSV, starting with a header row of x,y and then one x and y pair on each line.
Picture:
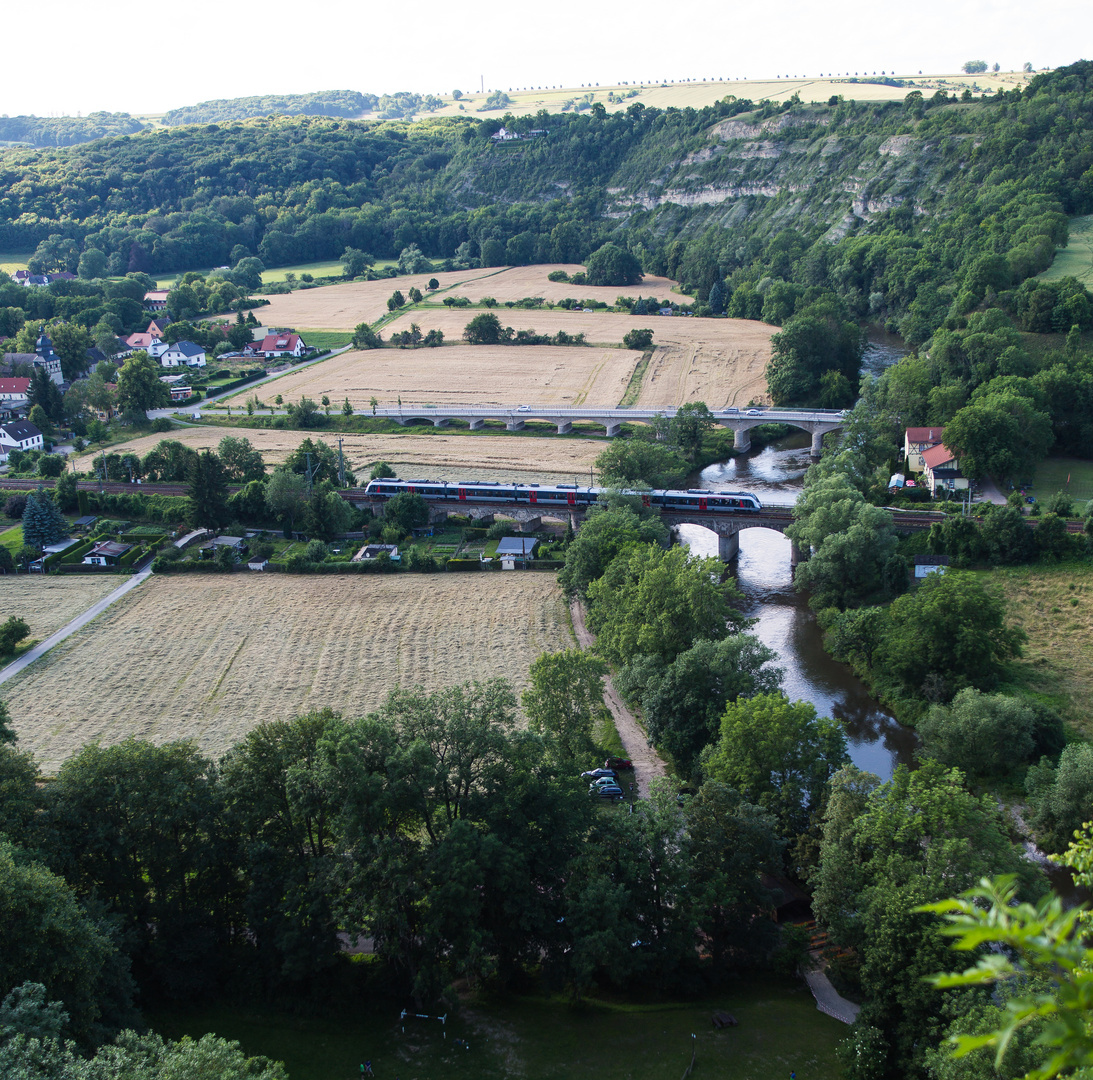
x,y
780,1031
324,268
463,375
1054,606
445,456
10,261
1064,474
208,658
48,603
325,339
1076,259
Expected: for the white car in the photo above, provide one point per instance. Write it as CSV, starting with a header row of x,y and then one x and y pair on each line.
x,y
524,408
753,412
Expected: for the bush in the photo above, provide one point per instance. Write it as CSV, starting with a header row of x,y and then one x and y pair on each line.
x,y
638,339
557,275
15,506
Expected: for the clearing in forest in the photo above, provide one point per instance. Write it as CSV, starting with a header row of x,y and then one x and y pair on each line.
x,y
209,658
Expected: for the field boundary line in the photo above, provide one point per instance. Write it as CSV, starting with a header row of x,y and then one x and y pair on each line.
x,y
77,623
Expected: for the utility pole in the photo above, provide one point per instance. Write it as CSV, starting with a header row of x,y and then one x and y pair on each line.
x,y
102,475
341,465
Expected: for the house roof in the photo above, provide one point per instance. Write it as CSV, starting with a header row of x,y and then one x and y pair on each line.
x,y
95,355
925,434
156,294
110,547
187,348
159,324
14,386
517,545
931,560
20,357
141,341
279,342
86,521
21,430
937,456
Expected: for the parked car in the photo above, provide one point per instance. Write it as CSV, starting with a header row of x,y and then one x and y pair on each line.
x,y
618,763
605,781
606,791
600,774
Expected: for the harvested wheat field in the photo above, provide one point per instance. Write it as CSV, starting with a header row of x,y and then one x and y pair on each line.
x,y
48,603
341,307
719,361
464,375
447,457
517,282
209,659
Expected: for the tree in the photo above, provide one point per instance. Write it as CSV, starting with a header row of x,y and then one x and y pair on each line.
x,y
43,391
42,522
951,632
347,408
355,262
381,471
485,329
58,945
7,733
563,699
208,492
974,67
15,506
627,462
71,342
683,702
241,461
689,427
1001,435
328,515
305,414
779,755
818,338
286,495
888,849
640,340
1060,796
42,422
139,388
613,265
12,631
170,459
980,734
606,531
659,603
395,301
406,511
364,337
412,261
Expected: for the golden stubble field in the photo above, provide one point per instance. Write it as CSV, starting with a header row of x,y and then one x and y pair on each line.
x,y
719,361
48,603
490,375
210,658
342,307
517,282
446,457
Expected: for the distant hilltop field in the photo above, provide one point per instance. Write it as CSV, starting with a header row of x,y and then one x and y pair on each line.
x,y
26,131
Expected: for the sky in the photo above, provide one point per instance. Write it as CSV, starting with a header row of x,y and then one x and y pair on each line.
x,y
79,56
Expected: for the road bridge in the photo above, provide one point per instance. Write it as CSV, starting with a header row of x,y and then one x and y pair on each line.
x,y
817,422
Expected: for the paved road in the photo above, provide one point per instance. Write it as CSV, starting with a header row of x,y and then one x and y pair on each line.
x,y
66,631
828,999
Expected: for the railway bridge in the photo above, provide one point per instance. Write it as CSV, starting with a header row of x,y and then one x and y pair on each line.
x,y
817,422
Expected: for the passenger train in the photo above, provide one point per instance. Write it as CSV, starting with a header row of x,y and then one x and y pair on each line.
x,y
547,495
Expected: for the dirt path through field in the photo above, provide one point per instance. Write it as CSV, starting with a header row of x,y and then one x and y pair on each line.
x,y
647,763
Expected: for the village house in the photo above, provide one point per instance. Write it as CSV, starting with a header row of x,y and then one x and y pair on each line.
x,y
941,470
279,343
152,344
108,553
14,390
25,277
20,435
930,564
155,299
915,441
158,325
183,354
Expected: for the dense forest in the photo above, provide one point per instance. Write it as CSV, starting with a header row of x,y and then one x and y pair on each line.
x,y
65,130
346,103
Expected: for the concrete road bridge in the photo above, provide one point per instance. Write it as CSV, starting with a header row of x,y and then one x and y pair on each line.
x,y
817,422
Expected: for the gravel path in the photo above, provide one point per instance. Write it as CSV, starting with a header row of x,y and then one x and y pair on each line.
x,y
828,999
647,763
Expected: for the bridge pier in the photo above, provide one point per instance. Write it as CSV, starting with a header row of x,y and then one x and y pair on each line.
x,y
565,427
817,445
613,430
796,555
741,441
728,547
441,423
530,525
514,425
474,425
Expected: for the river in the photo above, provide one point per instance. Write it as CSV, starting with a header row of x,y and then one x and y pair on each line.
x,y
877,741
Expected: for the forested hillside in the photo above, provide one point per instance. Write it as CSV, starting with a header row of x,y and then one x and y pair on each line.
x,y
65,130
905,209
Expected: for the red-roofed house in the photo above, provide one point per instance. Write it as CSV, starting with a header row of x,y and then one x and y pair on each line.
x,y
155,299
150,343
941,470
918,439
13,389
283,344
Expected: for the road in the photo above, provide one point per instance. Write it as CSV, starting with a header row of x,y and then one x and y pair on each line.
x,y
66,631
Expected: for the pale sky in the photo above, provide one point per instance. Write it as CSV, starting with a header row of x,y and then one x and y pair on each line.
x,y
72,56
